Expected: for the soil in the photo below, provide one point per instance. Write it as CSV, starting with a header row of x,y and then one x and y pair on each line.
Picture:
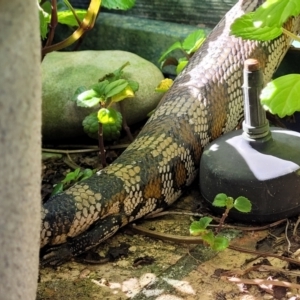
x,y
142,267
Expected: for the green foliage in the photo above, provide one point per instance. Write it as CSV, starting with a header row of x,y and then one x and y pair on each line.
x,y
72,177
111,131
281,96
266,22
216,241
118,4
241,203
246,28
189,46
45,17
63,12
221,200
66,16
91,125
199,228
285,87
110,89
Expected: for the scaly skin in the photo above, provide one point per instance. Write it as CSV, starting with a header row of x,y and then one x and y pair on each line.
x,y
204,102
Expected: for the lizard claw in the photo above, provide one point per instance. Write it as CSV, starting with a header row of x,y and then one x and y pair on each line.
x,y
55,256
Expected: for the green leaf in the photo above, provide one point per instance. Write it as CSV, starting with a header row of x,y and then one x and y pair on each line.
x,y
181,65
78,91
193,41
115,75
66,17
246,28
199,227
44,14
134,85
124,94
281,96
273,13
100,87
242,204
119,72
77,173
220,200
176,45
118,4
204,222
229,203
88,98
107,116
209,238
86,173
58,188
71,176
115,87
220,243
91,125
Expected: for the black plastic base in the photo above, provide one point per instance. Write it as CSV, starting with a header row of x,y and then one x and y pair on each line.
x,y
267,173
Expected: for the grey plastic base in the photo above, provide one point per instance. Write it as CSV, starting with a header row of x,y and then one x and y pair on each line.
x,y
267,173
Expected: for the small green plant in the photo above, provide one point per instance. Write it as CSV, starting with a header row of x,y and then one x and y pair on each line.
x,y
72,177
189,46
107,122
215,239
280,96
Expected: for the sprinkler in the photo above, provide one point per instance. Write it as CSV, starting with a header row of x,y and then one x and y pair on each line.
x,y
259,162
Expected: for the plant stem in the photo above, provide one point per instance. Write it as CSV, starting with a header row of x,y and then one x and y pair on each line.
x,y
290,34
222,220
124,123
73,11
87,24
52,25
101,146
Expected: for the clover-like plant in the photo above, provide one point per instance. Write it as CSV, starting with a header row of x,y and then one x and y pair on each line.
x,y
106,122
215,239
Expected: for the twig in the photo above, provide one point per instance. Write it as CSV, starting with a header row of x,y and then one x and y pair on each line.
x,y
101,146
168,212
222,220
60,151
286,236
53,23
262,281
87,24
259,268
68,161
244,228
87,150
124,123
197,240
296,226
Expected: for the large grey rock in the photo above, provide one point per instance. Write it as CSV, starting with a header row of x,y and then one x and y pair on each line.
x,y
64,72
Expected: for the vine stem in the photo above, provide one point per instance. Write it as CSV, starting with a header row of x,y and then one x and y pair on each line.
x,y
290,34
87,24
101,145
222,220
